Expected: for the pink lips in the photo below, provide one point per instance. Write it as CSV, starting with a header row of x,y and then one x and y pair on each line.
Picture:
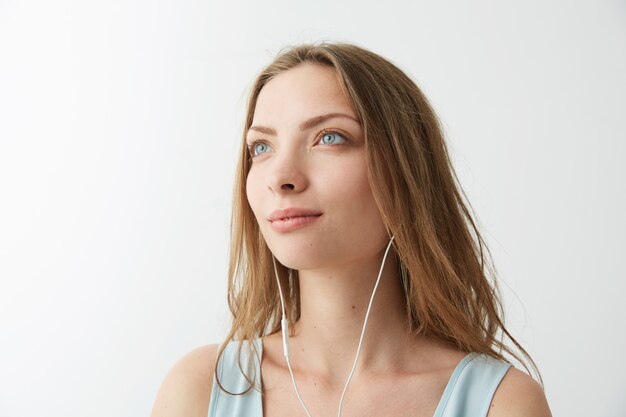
x,y
292,218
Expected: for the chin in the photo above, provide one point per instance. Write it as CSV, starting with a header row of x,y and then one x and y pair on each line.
x,y
296,260
298,255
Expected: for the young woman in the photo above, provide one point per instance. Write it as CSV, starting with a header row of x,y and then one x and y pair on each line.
x,y
350,238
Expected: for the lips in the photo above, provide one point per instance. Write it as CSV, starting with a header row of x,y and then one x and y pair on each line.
x,y
292,219
293,212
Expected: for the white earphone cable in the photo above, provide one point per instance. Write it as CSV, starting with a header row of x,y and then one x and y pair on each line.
x,y
369,307
285,332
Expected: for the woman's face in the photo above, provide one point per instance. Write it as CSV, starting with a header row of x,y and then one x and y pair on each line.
x,y
308,152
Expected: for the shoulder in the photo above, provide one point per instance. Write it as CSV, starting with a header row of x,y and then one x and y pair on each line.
x,y
519,395
186,389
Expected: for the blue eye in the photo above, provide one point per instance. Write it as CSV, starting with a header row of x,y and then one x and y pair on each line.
x,y
330,138
257,147
260,147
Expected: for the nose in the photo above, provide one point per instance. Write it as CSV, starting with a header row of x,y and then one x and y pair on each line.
x,y
287,173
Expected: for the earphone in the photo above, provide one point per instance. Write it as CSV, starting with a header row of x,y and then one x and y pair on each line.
x,y
285,332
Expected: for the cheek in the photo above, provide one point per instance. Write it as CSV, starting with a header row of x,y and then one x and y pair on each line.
x,y
356,191
363,194
252,192
360,185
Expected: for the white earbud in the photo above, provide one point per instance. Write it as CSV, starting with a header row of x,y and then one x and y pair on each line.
x,y
285,331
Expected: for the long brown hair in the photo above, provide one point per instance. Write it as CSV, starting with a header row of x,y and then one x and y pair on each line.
x,y
450,288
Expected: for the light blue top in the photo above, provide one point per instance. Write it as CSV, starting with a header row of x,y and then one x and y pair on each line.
x,y
468,393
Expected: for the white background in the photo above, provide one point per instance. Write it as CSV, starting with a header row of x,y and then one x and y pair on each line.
x,y
119,125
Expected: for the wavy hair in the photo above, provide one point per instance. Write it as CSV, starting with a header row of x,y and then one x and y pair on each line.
x,y
447,271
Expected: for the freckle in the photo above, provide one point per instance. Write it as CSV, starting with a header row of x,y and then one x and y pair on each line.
x,y
353,307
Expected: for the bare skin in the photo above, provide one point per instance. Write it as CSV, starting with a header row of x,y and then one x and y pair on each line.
x,y
186,390
414,390
338,258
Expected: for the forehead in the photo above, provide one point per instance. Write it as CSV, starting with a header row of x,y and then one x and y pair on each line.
x,y
299,93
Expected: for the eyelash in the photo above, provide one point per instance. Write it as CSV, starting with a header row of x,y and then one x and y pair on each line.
x,y
255,142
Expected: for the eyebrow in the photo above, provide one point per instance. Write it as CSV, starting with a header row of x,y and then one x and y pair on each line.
x,y
307,124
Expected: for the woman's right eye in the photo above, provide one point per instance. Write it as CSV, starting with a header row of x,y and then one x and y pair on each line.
x,y
257,147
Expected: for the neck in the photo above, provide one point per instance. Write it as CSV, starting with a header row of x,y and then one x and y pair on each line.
x,y
333,305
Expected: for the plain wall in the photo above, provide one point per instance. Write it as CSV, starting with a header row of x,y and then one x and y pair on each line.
x,y
120,122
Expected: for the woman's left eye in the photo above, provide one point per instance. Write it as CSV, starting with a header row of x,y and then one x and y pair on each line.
x,y
329,138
